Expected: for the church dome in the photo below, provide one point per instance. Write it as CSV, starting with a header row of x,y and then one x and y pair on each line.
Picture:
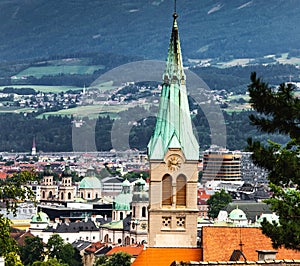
x,y
90,182
40,217
141,181
123,201
126,183
237,215
139,193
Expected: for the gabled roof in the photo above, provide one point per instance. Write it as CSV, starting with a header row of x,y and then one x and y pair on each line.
x,y
165,256
111,179
252,209
20,235
74,227
95,247
119,225
81,244
132,250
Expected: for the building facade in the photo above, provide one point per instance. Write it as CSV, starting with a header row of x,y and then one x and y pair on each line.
x,y
222,165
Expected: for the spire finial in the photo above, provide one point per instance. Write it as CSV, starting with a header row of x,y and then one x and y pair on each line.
x,y
175,15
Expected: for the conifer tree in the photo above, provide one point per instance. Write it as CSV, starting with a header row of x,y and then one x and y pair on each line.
x,y
279,112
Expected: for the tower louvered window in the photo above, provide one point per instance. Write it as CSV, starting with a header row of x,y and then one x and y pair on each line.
x,y
181,191
167,190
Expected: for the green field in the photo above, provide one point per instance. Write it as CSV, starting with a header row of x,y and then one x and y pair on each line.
x,y
91,111
15,110
102,87
54,70
45,89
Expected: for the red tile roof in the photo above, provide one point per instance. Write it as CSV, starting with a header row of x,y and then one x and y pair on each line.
x,y
165,256
94,247
202,194
20,235
2,175
219,242
132,250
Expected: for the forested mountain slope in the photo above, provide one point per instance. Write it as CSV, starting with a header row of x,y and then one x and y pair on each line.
x,y
209,28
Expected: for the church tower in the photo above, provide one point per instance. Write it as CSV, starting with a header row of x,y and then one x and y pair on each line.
x,y
173,153
33,149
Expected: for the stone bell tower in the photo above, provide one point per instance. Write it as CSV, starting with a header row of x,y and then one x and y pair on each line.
x,y
173,153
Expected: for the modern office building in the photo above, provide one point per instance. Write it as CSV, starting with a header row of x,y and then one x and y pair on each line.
x,y
222,165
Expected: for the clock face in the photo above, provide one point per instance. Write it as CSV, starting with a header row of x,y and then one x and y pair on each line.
x,y
174,163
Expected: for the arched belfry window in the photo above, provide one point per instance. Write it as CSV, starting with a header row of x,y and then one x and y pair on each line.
x,y
144,211
167,190
181,191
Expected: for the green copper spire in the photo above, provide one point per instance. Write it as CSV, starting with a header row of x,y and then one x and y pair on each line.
x,y
173,126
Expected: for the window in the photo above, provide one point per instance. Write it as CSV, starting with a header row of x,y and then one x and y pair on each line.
x,y
166,222
43,194
181,191
62,195
89,195
121,215
167,190
69,195
106,239
180,222
127,240
144,211
133,211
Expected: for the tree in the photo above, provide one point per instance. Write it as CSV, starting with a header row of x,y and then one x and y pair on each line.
x,y
118,258
64,252
49,262
55,245
71,255
13,189
279,112
32,251
217,202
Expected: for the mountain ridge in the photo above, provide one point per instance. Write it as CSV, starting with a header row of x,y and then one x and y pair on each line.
x,y
208,29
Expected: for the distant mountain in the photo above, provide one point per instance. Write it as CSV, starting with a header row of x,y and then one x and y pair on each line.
x,y
208,28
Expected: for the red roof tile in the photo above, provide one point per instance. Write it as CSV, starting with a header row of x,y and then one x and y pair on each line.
x,y
132,250
2,175
165,256
219,243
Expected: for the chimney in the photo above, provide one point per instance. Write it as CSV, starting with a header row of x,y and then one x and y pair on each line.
x,y
264,255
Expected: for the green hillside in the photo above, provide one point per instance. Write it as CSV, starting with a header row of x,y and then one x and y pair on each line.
x,y
209,29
